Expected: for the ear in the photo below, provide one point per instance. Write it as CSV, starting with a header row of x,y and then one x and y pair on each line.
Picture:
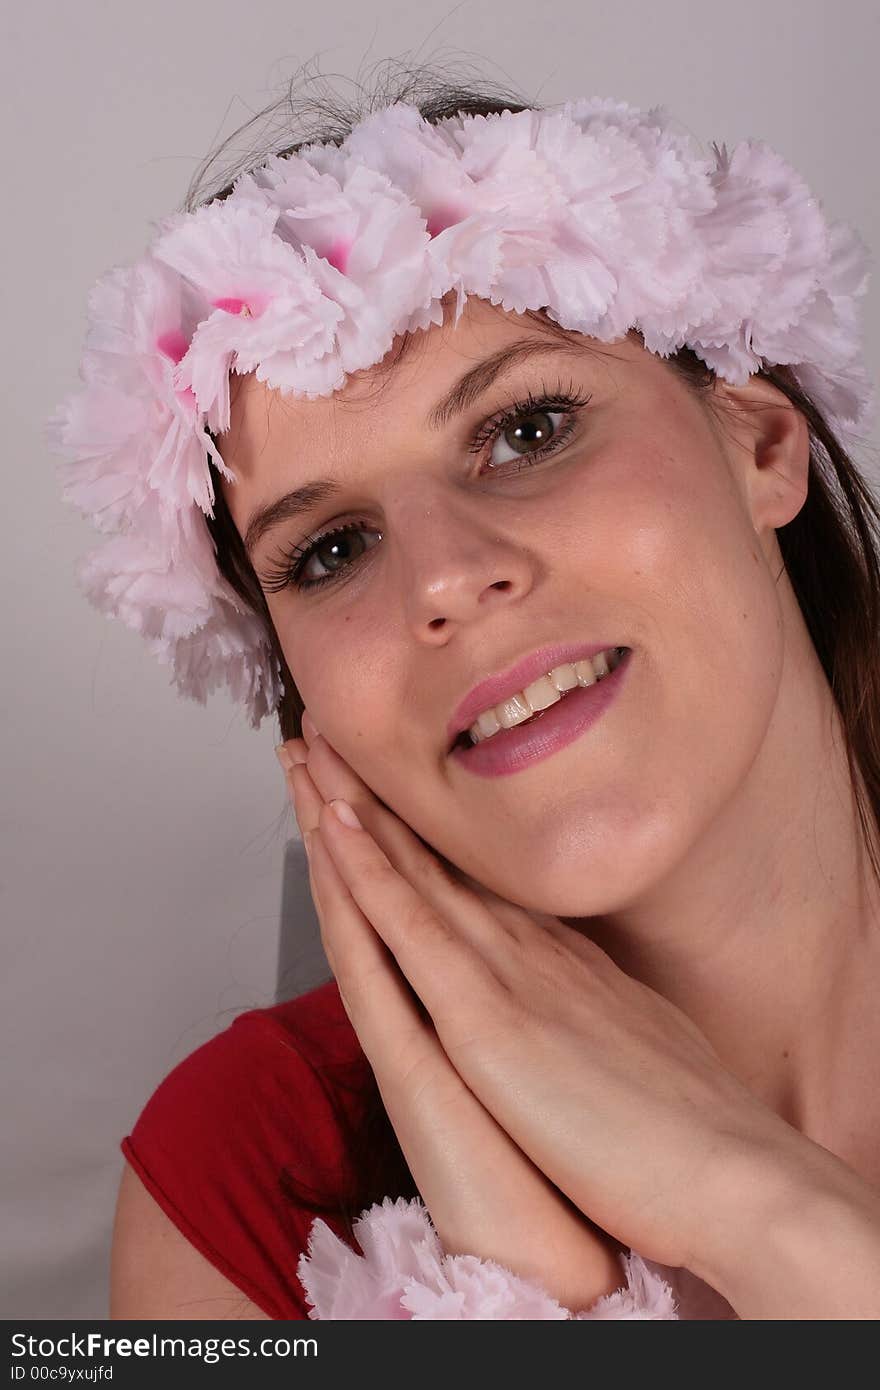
x,y
768,445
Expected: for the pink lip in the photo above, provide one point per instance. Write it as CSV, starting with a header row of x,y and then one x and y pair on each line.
x,y
506,683
511,750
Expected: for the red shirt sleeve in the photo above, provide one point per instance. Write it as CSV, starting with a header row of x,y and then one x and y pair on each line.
x,y
213,1139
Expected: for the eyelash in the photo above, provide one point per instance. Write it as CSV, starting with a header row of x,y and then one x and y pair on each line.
x,y
294,561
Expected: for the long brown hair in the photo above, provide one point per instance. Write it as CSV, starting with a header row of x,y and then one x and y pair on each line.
x,y
831,552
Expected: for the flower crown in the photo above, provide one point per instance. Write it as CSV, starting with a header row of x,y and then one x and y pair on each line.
x,y
596,212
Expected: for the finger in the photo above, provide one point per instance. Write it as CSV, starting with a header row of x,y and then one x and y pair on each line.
x,y
297,748
306,803
433,876
306,798
491,924
379,1002
395,839
486,1197
289,758
464,996
500,956
335,777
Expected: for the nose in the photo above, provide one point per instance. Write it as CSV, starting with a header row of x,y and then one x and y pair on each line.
x,y
454,561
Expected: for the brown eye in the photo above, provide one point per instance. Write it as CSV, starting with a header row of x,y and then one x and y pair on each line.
x,y
530,429
337,549
534,434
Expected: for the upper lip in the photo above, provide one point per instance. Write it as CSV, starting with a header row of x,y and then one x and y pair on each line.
x,y
514,678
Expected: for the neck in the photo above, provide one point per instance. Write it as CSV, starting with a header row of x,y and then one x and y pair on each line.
x,y
765,936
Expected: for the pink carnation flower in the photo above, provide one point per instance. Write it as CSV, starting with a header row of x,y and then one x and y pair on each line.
x,y
599,213
132,436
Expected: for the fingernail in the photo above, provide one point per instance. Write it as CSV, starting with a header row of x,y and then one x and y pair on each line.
x,y
307,842
283,757
345,813
308,724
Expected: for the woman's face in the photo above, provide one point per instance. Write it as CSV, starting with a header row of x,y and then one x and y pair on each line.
x,y
638,531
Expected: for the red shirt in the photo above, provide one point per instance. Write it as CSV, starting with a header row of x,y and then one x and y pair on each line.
x,y
212,1140
214,1137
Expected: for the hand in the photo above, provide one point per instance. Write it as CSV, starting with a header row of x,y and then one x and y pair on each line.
x,y
484,1196
609,1090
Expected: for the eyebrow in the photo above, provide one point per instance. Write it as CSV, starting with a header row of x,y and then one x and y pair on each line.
x,y
465,392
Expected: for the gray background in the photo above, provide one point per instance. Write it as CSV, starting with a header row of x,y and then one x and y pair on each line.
x,y
143,837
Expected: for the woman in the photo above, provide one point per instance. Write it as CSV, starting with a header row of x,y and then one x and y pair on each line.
x,y
606,933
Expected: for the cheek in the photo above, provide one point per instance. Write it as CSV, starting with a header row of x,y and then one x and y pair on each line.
x,y
322,652
360,718
623,807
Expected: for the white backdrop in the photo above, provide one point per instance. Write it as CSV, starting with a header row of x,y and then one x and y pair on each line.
x,y
143,836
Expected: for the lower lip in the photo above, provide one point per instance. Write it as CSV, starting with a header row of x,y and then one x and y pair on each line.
x,y
511,750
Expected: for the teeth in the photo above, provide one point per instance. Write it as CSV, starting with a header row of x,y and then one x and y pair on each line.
x,y
513,711
543,692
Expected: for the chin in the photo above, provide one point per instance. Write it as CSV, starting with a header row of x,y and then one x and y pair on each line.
x,y
576,889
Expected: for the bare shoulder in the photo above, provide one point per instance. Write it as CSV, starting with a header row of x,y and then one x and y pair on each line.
x,y
156,1273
